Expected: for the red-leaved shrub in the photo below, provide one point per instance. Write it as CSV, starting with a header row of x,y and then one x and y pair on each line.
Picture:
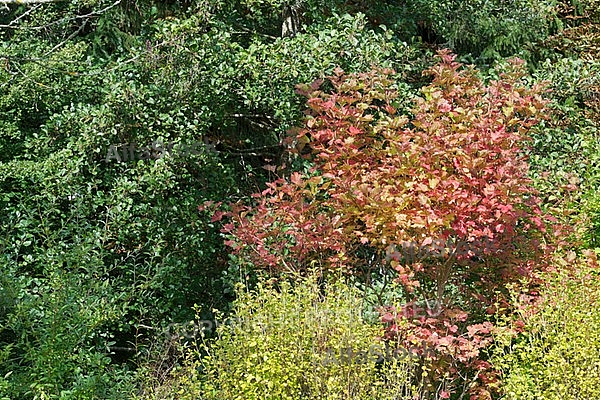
x,y
450,181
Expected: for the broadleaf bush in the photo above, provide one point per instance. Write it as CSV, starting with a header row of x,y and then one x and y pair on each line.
x,y
553,349
306,340
451,180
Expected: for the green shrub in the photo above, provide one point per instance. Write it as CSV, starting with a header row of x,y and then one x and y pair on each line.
x,y
557,355
487,29
581,29
591,234
565,150
96,256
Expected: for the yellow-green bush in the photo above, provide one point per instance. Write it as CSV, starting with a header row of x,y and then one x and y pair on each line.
x,y
558,354
291,342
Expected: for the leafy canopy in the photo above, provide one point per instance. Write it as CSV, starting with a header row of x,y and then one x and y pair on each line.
x,y
454,172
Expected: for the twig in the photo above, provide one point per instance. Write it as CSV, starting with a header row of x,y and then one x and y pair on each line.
x,y
88,15
123,349
26,13
30,79
60,21
71,36
28,1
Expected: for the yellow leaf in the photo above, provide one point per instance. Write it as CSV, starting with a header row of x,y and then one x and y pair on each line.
x,y
508,111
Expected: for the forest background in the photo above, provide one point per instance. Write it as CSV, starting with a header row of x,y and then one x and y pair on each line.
x,y
143,273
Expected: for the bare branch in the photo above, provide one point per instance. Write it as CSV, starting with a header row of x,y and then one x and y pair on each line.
x,y
71,36
67,19
28,78
60,21
20,16
28,1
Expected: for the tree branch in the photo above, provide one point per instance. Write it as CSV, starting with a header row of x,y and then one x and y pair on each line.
x,y
60,21
71,36
32,9
28,1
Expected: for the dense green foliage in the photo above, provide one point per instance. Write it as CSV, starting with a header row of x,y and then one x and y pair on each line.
x,y
119,247
100,259
488,29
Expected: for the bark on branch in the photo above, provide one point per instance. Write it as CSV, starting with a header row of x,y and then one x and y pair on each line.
x,y
291,19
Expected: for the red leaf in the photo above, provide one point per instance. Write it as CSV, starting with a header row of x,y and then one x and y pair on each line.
x,y
296,178
217,216
353,131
